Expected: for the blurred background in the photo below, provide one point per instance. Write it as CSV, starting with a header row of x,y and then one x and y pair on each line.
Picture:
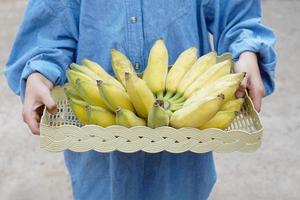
x,y
273,172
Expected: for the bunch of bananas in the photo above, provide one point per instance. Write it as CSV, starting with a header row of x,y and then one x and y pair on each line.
x,y
195,92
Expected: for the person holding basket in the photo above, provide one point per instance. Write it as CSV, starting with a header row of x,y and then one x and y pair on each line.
x,y
54,34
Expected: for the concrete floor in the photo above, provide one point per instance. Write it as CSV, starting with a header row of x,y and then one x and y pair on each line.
x,y
272,173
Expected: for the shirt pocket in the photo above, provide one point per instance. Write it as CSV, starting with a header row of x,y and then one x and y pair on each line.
x,y
159,14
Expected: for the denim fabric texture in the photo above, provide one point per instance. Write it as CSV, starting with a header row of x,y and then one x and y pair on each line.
x,y
55,33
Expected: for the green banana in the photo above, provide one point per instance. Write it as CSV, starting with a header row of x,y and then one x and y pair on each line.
x,y
158,116
72,93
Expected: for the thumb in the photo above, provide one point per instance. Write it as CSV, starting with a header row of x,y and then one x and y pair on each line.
x,y
49,102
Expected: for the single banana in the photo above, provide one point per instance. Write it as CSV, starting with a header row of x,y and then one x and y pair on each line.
x,y
200,66
183,64
197,114
74,75
212,74
158,116
227,88
224,56
233,105
232,77
121,64
221,120
79,109
100,116
128,118
84,70
88,91
141,96
114,96
72,93
101,73
157,69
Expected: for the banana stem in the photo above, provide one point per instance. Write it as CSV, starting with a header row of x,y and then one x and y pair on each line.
x,y
168,95
175,107
180,100
177,96
160,95
169,112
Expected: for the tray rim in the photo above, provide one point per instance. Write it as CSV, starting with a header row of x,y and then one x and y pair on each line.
x,y
47,128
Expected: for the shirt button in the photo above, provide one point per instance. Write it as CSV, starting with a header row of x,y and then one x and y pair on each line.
x,y
133,19
137,66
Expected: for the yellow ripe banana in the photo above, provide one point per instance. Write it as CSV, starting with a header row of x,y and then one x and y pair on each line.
x,y
221,120
224,56
74,75
183,63
158,116
100,116
79,109
101,73
156,72
114,96
233,105
219,85
212,74
197,114
84,70
227,88
141,96
232,77
89,92
121,64
200,66
128,118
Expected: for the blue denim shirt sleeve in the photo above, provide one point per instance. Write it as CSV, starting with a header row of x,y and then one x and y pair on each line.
x,y
236,27
45,43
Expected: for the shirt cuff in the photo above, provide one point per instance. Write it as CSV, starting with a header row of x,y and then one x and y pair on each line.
x,y
266,59
50,70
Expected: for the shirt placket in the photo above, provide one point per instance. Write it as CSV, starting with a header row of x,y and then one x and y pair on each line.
x,y
135,34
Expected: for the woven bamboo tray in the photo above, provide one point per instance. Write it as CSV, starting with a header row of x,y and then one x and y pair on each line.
x,y
63,131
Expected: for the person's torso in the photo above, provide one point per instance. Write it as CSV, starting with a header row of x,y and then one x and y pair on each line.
x,y
132,26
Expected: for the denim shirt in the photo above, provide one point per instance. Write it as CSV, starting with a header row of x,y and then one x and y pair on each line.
x,y
55,33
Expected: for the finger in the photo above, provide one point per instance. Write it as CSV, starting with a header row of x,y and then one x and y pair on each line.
x,y
32,120
256,99
241,90
49,102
